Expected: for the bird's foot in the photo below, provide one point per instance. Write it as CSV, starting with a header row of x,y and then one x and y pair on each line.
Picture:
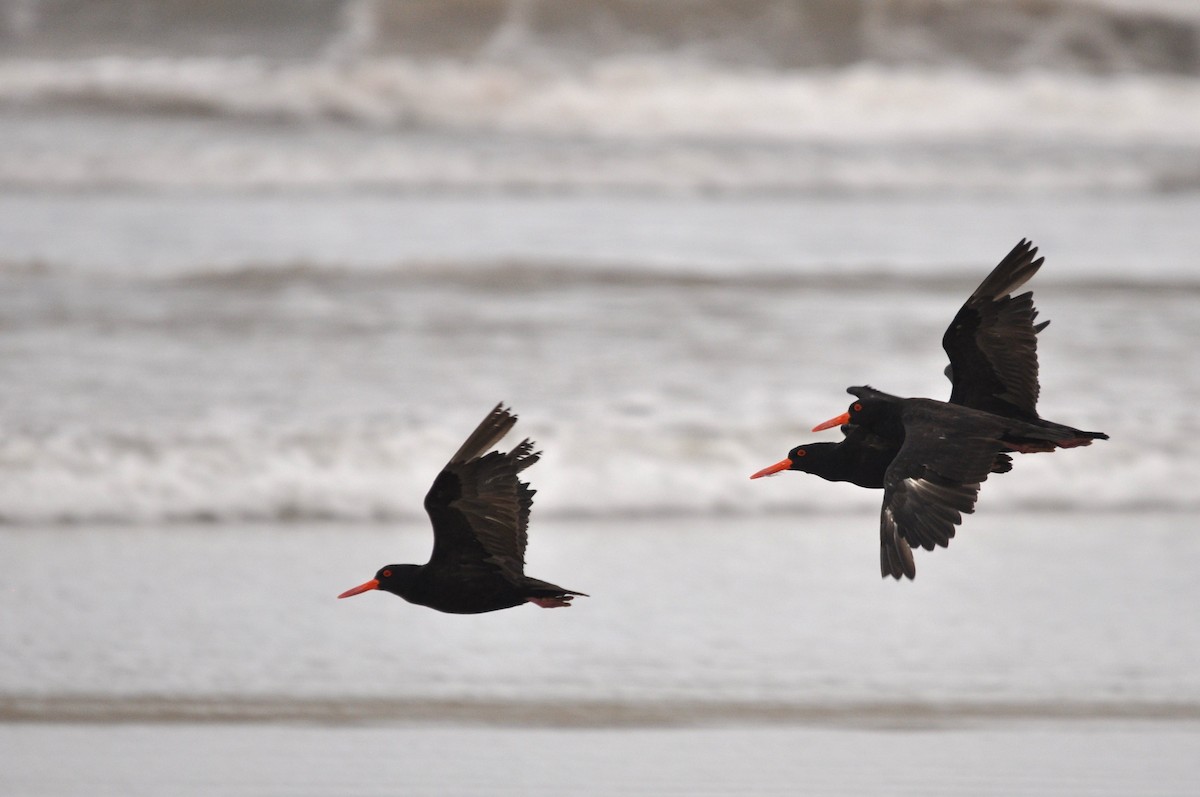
x,y
552,603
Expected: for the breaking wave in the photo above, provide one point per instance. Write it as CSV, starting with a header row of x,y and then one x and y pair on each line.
x,y
622,97
539,95
1097,36
635,464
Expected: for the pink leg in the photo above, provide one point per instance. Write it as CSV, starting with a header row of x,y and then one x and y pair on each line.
x,y
1032,448
552,603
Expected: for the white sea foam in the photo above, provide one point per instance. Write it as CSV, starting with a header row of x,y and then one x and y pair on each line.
x,y
618,468
166,362
631,96
634,123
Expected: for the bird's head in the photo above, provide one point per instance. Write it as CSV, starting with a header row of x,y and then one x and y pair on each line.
x,y
870,412
391,578
808,458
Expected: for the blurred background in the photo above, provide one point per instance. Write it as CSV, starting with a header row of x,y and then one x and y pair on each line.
x,y
263,265
266,260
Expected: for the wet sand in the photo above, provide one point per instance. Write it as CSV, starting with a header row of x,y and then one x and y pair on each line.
x,y
912,715
1023,609
1109,757
1042,653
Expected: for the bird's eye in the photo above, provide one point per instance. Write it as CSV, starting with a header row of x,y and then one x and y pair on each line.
x,y
800,452
387,573
857,407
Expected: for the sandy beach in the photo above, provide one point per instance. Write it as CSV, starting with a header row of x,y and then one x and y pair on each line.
x,y
1026,659
1028,758
1023,608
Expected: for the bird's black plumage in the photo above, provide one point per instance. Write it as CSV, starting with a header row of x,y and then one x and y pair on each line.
x,y
479,509
947,452
992,341
930,457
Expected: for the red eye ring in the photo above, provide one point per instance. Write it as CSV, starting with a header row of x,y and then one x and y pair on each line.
x,y
800,452
387,573
857,407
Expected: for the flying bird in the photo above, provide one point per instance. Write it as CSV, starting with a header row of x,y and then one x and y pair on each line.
x,y
479,509
929,456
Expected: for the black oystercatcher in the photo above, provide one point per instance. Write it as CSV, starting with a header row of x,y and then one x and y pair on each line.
x,y
930,456
992,343
480,514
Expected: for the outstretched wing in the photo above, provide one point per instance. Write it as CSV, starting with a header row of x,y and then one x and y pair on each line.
x,y
992,341
922,511
491,430
933,481
478,505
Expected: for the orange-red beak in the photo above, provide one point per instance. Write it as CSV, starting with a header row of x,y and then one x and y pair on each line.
x,y
361,588
773,469
832,422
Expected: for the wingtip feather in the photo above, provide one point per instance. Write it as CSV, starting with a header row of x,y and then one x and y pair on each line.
x,y
494,426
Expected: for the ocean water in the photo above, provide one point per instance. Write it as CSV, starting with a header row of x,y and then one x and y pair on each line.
x,y
270,358
262,268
